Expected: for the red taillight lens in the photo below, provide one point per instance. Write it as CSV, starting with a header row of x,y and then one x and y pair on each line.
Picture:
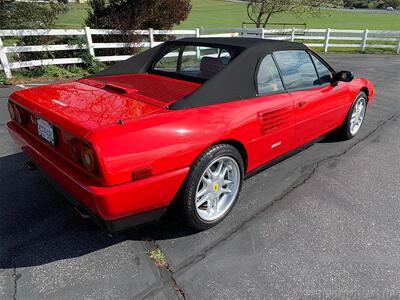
x,y
88,159
11,110
83,154
75,147
20,114
17,113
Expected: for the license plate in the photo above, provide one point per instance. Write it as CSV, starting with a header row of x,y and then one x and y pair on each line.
x,y
46,131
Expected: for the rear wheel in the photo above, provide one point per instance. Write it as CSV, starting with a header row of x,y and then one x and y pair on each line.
x,y
355,117
212,186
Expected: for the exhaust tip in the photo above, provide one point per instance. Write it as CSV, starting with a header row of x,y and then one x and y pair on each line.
x,y
30,165
82,213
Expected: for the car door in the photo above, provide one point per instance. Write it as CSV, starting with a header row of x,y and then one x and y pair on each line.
x,y
274,113
318,104
336,95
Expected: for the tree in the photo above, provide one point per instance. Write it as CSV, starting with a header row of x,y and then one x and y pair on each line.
x,y
128,15
260,11
137,14
372,3
20,15
32,15
392,3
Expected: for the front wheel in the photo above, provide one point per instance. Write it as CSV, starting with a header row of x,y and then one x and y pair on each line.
x,y
355,117
212,186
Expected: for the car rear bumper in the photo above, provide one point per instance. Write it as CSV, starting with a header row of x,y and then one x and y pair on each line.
x,y
111,225
116,207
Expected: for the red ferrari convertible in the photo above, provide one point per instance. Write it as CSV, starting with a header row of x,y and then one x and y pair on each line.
x,y
183,122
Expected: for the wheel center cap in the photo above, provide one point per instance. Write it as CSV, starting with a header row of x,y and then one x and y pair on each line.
x,y
215,187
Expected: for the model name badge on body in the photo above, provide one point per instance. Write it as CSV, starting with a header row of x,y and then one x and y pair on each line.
x,y
276,145
58,102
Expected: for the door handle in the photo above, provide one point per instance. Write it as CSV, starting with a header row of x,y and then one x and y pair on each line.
x,y
301,104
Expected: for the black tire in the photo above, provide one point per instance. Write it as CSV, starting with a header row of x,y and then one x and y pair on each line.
x,y
188,190
345,129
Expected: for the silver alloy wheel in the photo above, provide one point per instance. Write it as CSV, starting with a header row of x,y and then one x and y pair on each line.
x,y
357,115
217,188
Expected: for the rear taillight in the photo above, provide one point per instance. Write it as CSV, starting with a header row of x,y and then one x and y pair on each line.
x,y
83,155
88,159
75,147
17,113
20,115
11,110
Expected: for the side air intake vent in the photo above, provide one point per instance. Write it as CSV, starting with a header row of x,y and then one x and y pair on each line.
x,y
274,120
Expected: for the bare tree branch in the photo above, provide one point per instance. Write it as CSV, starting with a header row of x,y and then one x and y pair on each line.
x,y
261,11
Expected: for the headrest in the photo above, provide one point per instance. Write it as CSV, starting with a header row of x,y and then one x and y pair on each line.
x,y
209,66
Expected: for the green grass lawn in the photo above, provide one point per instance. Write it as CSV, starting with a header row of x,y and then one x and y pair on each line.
x,y
219,13
75,18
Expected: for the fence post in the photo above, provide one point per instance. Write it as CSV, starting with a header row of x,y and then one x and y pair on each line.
x,y
326,45
198,53
89,41
4,60
364,40
398,47
151,37
262,33
292,35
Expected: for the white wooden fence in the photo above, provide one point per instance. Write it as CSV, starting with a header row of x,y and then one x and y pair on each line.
x,y
318,38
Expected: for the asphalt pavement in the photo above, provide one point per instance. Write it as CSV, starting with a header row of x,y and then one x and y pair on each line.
x,y
321,224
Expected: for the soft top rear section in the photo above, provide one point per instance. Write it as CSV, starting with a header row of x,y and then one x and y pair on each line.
x,y
234,82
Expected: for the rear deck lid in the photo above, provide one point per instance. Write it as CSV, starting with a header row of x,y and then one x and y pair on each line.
x,y
80,108
154,89
90,103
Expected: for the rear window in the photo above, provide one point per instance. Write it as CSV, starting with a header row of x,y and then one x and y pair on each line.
x,y
193,61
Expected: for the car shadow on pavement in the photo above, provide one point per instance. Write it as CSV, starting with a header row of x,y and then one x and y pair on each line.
x,y
38,227
333,137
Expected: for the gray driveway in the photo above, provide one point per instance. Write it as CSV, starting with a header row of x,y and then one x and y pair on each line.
x,y
324,223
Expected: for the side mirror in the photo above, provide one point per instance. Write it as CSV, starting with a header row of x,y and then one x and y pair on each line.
x,y
345,76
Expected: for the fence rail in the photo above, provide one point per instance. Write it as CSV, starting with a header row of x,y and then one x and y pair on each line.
x,y
318,38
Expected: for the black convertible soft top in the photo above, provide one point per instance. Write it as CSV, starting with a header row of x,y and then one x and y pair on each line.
x,y
236,81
